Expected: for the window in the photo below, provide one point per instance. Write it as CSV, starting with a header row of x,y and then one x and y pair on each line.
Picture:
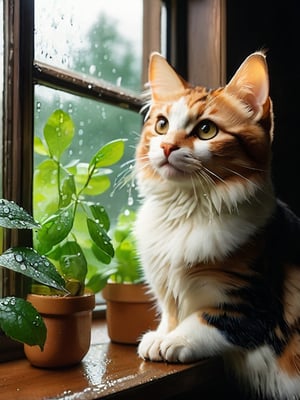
x,y
52,58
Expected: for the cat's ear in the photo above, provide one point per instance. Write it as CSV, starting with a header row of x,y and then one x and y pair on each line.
x,y
251,83
163,79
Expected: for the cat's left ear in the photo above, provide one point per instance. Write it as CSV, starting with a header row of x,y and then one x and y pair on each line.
x,y
251,83
163,79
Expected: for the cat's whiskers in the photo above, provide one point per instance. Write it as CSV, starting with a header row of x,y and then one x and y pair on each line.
x,y
258,187
239,164
125,177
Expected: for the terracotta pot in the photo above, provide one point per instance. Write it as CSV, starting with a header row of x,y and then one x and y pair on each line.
x,y
130,312
68,321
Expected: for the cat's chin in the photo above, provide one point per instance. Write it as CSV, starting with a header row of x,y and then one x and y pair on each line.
x,y
169,172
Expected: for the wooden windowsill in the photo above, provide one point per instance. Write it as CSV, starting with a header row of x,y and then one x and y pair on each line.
x,y
111,371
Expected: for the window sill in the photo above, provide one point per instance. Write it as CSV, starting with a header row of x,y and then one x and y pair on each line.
x,y
112,371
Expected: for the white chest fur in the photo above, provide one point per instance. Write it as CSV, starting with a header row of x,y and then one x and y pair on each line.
x,y
176,230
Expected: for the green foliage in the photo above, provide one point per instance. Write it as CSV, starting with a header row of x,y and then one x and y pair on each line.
x,y
29,262
72,222
125,266
18,318
20,321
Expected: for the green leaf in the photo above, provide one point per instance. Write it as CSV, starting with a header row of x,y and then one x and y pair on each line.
x,y
29,262
39,147
68,190
59,132
14,216
45,199
109,154
98,281
100,254
55,228
72,261
20,321
97,184
100,237
100,215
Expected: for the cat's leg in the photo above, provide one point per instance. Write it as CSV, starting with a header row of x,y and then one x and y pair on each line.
x,y
191,340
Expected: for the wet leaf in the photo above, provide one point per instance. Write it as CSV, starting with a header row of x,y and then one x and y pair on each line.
x,y
100,237
100,215
45,189
109,154
97,184
100,254
14,216
68,190
29,262
72,261
21,321
55,228
59,132
39,147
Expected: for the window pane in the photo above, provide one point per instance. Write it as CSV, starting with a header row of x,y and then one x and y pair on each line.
x,y
96,124
98,38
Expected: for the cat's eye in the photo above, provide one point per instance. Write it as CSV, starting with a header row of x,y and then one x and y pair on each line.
x,y
206,130
161,125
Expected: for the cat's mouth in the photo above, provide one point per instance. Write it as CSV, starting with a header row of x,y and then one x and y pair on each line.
x,y
179,165
170,171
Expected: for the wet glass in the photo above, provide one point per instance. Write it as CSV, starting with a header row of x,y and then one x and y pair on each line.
x,y
98,38
96,124
102,39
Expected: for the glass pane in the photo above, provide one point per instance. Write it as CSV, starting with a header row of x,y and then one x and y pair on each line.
x,y
98,38
96,124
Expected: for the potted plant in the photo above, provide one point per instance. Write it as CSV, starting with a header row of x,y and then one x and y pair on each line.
x,y
20,319
130,308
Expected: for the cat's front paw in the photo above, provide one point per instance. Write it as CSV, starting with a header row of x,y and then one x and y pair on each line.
x,y
175,348
169,347
149,347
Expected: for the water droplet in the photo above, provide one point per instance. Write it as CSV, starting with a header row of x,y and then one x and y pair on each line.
x,y
119,81
92,69
19,258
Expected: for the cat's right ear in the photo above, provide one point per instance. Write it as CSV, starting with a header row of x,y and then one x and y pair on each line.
x,y
163,79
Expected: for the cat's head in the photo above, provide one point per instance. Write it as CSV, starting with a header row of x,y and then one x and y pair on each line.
x,y
204,139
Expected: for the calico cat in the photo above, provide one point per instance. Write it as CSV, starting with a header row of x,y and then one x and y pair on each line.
x,y
220,253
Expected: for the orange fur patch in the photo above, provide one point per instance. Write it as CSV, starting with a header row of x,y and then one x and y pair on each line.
x,y
289,361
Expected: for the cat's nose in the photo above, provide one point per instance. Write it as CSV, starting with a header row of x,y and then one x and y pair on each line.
x,y
168,148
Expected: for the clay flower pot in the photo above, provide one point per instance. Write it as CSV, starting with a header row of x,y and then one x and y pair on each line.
x,y
130,312
68,321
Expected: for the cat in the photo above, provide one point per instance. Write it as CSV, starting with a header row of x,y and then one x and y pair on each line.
x,y
220,253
